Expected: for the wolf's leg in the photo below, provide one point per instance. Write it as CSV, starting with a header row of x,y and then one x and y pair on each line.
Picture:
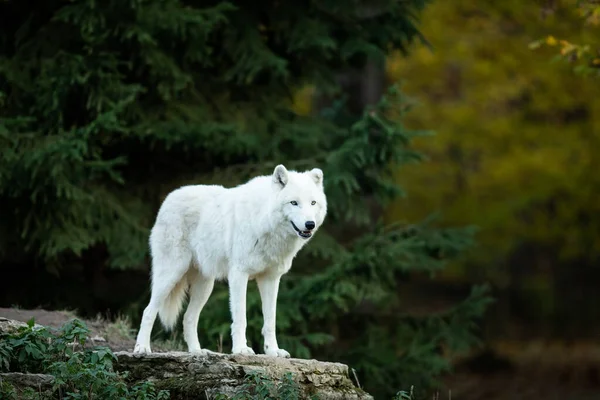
x,y
142,344
268,285
168,270
200,289
238,284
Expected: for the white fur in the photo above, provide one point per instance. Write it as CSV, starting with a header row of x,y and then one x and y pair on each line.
x,y
203,233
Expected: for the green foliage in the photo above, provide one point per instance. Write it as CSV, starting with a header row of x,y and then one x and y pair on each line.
x,y
79,372
259,387
92,95
7,391
105,106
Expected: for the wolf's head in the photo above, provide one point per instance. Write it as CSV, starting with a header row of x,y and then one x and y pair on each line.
x,y
301,201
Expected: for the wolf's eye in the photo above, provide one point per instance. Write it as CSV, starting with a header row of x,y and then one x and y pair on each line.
x,y
294,203
312,203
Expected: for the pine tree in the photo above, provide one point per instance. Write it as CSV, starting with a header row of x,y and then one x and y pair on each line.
x,y
105,106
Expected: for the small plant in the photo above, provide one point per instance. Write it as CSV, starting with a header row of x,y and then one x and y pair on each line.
x,y
404,395
259,387
7,391
120,328
288,389
79,372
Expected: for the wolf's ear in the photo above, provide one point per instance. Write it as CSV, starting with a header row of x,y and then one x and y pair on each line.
x,y
317,175
280,176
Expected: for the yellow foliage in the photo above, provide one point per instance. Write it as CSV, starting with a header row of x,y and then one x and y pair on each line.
x,y
518,137
589,11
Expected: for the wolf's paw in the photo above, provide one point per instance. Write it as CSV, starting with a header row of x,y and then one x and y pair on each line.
x,y
243,350
142,349
201,352
277,353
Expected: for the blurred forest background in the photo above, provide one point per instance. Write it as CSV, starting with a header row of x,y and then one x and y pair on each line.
x,y
458,141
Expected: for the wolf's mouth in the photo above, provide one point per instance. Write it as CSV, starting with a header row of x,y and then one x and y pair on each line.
x,y
302,234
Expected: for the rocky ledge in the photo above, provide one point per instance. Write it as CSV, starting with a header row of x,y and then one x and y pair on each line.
x,y
189,376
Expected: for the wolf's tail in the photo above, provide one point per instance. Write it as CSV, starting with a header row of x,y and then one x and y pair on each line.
x,y
169,310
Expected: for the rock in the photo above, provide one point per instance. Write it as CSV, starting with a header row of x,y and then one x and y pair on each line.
x,y
189,376
38,382
10,325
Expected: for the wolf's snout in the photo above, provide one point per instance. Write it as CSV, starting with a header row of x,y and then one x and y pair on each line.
x,y
310,225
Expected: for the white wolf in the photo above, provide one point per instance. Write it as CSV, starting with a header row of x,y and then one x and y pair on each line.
x,y
251,231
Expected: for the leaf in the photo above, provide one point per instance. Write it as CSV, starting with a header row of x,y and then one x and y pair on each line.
x,y
551,41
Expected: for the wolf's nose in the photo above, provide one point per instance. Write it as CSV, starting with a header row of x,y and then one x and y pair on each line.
x,y
310,225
